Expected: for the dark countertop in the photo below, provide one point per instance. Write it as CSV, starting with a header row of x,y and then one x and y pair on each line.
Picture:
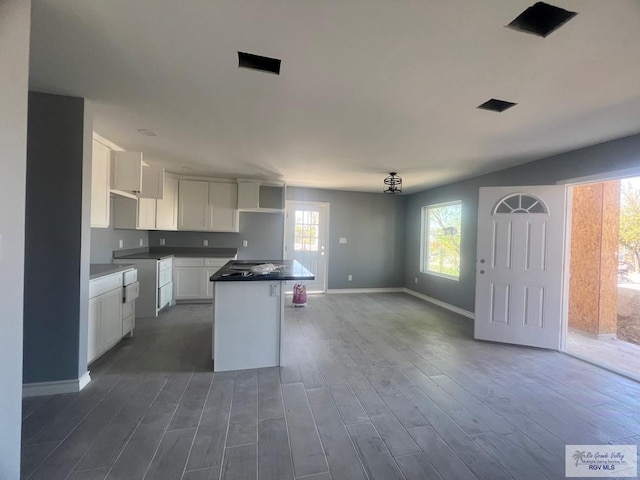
x,y
291,270
158,253
97,270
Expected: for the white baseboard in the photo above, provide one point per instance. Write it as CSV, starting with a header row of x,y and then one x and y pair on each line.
x,y
366,290
440,303
55,388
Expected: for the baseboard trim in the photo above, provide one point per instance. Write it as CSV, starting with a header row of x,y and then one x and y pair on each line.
x,y
55,388
440,303
365,290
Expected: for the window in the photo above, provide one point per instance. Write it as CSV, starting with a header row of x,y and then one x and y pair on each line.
x,y
306,230
441,225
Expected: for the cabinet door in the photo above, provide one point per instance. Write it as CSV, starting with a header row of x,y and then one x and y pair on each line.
x,y
223,208
165,295
189,282
111,318
100,185
152,182
167,206
126,171
193,205
93,330
146,214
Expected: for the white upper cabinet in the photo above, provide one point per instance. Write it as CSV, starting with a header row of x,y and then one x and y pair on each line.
x,y
193,204
223,208
258,196
152,182
208,206
100,164
167,206
126,171
133,213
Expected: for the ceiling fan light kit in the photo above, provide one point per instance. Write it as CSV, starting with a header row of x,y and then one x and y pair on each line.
x,y
392,183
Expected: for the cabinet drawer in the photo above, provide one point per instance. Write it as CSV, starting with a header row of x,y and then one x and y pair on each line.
x,y
128,309
188,262
164,277
131,292
128,323
130,277
102,285
216,262
165,264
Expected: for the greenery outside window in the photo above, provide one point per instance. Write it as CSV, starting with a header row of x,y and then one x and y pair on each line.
x,y
441,228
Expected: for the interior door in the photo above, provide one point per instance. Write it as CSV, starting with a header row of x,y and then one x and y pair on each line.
x,y
520,265
306,237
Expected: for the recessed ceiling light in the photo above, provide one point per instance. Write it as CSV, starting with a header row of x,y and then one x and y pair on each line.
x,y
147,132
541,19
257,62
496,105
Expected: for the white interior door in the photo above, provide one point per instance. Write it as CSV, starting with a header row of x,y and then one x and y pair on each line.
x,y
306,240
520,265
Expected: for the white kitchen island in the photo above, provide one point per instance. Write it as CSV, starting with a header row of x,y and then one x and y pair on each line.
x,y
248,313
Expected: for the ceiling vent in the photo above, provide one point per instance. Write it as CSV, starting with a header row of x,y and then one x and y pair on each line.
x,y
496,105
541,19
256,62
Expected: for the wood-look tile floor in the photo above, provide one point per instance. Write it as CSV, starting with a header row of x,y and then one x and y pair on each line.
x,y
379,386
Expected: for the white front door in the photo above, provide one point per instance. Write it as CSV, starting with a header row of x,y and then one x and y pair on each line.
x,y
520,265
306,240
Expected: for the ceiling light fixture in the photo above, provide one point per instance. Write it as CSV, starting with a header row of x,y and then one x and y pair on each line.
x,y
146,132
392,183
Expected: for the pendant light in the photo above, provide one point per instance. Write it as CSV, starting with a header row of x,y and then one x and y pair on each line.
x,y
392,183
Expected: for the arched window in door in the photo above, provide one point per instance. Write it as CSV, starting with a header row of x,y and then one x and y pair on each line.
x,y
520,203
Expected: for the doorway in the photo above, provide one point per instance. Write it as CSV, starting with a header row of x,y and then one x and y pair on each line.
x,y
306,240
603,318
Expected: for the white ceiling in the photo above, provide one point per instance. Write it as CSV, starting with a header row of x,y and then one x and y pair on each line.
x,y
366,86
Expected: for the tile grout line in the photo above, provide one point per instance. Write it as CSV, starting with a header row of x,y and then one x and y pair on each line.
x,y
193,440
226,434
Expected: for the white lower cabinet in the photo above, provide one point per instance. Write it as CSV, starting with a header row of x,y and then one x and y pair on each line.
x,y
105,323
109,318
191,277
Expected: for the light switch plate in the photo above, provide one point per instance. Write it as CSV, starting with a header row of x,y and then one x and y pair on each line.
x,y
162,241
120,243
205,243
245,243
142,242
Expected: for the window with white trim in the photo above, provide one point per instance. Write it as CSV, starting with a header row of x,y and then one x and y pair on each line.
x,y
441,229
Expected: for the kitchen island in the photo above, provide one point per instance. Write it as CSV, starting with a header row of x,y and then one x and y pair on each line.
x,y
248,312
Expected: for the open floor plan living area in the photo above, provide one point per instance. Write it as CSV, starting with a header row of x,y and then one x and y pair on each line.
x,y
319,240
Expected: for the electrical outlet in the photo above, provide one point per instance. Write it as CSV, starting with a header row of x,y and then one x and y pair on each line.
x,y
205,243
162,241
142,242
415,280
343,240
245,243
120,243
350,278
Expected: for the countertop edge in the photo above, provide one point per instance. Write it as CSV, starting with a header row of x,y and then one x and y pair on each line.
x,y
116,268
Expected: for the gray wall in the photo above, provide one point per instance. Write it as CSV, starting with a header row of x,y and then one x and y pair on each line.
x,y
55,267
616,155
14,58
374,225
262,231
105,240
